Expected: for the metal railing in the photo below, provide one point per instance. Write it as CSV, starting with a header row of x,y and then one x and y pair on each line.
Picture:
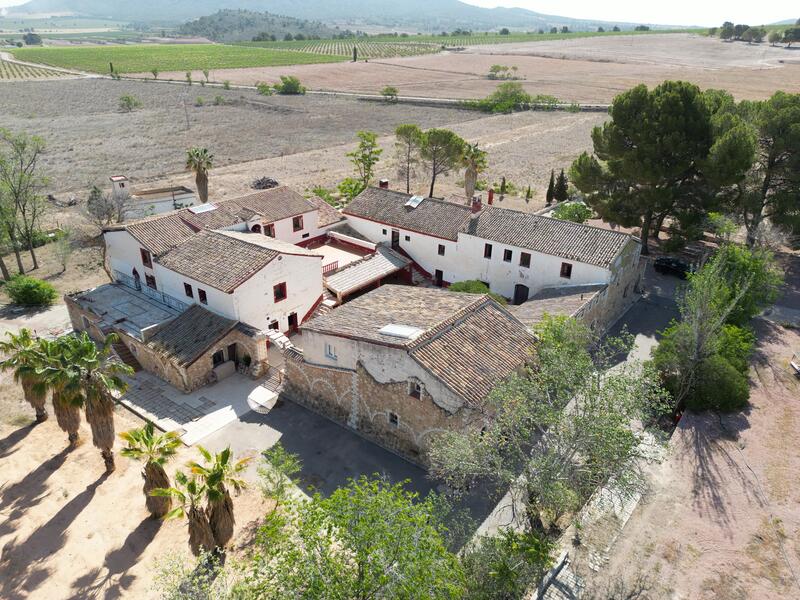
x,y
330,268
156,295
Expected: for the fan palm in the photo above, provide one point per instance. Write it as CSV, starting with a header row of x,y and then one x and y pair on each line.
x,y
200,161
155,449
188,493
474,162
218,474
62,376
101,380
22,357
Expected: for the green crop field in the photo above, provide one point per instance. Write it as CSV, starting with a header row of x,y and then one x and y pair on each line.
x,y
176,57
13,72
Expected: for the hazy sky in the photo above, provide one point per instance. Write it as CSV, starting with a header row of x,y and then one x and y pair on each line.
x,y
677,12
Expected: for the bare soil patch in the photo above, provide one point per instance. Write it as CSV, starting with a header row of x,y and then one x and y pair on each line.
x,y
723,517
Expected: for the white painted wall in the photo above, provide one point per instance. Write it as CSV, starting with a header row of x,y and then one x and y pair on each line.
x,y
284,229
463,260
385,364
123,254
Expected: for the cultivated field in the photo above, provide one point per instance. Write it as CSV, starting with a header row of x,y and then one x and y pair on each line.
x,y
344,48
10,71
165,57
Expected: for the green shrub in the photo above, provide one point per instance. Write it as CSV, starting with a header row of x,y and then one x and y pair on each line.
x,y
473,286
576,212
290,86
226,85
264,89
719,387
326,195
128,103
219,100
390,93
29,291
200,101
736,346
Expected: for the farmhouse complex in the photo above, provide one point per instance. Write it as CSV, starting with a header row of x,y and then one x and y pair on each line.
x,y
382,346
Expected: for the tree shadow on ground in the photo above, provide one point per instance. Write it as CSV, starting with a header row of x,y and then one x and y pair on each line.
x,y
112,579
8,443
22,568
711,455
15,311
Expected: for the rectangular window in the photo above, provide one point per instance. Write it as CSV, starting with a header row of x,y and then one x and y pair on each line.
x,y
441,249
507,255
408,238
187,289
394,419
218,358
566,270
415,389
297,223
201,295
274,326
330,351
487,251
305,235
151,281
384,231
279,292
269,230
524,260
147,260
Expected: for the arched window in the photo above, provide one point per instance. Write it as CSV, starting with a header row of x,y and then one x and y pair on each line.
x,y
256,228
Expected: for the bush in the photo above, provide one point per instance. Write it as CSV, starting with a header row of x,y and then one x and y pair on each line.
x,y
200,101
29,291
128,103
736,346
290,86
473,286
264,89
226,85
719,387
577,212
219,100
390,93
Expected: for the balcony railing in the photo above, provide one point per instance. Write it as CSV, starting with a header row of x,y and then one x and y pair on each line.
x,y
330,268
156,295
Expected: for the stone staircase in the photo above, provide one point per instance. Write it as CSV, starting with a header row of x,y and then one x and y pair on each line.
x,y
327,305
126,356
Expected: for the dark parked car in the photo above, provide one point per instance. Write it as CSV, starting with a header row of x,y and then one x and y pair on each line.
x,y
669,265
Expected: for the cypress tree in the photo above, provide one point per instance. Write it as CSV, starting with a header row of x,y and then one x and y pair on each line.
x,y
551,187
560,193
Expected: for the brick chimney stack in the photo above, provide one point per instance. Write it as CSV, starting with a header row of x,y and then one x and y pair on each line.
x,y
383,184
491,196
476,204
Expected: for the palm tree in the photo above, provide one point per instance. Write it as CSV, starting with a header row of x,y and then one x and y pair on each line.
x,y
101,380
22,355
155,449
219,473
200,161
63,377
474,161
189,493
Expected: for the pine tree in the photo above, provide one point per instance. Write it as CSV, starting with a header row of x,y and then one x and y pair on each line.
x,y
560,192
551,188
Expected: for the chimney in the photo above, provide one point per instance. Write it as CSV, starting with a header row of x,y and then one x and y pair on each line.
x,y
383,184
476,204
491,196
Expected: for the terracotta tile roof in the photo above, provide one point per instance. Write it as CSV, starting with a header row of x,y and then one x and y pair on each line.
x,y
475,350
161,233
582,243
191,334
366,271
555,301
327,214
572,241
217,260
364,317
432,217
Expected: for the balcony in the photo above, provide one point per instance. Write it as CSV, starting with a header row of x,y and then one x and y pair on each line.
x,y
156,295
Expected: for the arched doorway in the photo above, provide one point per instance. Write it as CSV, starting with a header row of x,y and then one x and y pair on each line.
x,y
137,281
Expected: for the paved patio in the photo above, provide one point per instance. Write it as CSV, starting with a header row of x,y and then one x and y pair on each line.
x,y
194,415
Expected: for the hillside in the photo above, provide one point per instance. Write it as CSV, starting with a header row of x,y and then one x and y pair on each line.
x,y
427,15
244,25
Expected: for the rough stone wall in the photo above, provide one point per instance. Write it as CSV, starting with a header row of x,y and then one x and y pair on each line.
x,y
76,315
355,399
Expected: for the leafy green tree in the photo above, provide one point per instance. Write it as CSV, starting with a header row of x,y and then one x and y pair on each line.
x,y
474,162
441,151
791,36
23,359
774,37
129,103
367,540
551,188
726,31
62,375
200,161
753,278
365,156
408,142
576,212
561,189
508,97
350,187
772,186
636,179
473,286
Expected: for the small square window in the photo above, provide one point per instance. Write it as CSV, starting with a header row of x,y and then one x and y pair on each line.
x,y
201,295
297,223
187,289
441,249
330,352
507,255
384,232
151,281
408,238
218,358
305,235
147,260
415,389
274,325
566,270
524,260
279,292
487,251
394,419
269,230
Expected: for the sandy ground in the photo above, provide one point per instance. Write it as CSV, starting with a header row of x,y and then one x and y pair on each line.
x,y
722,519
63,531
586,70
